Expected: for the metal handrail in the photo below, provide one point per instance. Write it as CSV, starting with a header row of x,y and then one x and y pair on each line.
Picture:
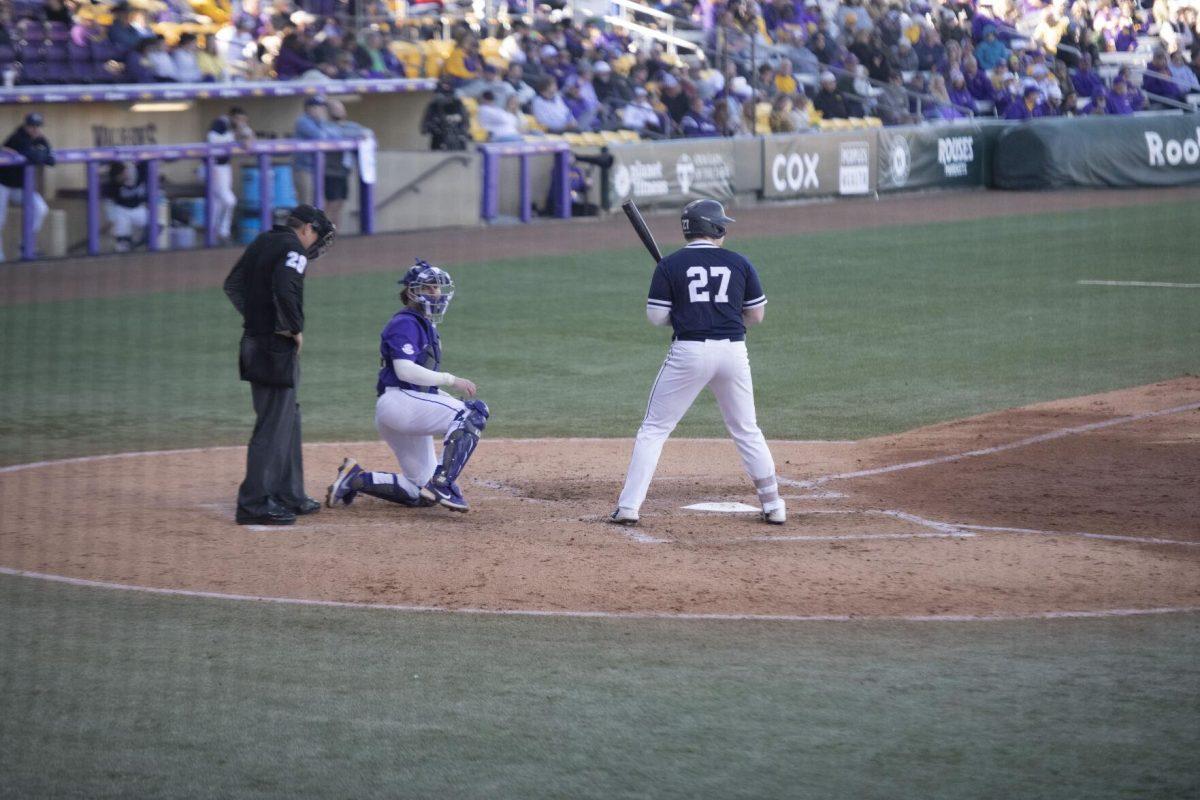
x,y
672,42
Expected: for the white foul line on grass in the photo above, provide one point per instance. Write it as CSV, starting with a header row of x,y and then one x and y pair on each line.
x,y
632,615
1154,284
987,451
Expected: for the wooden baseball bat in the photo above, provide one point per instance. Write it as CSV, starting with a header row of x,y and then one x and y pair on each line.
x,y
643,231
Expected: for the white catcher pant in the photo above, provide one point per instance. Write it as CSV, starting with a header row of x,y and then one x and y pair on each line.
x,y
724,367
408,421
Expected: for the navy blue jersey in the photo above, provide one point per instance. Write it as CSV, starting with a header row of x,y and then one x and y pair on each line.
x,y
412,337
706,288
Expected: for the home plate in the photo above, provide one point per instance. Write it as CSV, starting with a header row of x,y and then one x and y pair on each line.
x,y
722,508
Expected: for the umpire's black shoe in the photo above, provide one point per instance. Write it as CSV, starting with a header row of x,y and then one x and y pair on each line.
x,y
273,516
307,506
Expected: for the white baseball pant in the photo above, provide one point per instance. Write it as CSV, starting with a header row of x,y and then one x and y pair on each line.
x,y
224,200
127,223
14,197
724,367
408,420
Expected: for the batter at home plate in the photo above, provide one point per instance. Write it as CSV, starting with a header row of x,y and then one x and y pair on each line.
x,y
708,295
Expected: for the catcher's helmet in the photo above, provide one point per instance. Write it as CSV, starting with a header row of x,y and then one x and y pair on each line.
x,y
324,229
429,286
704,218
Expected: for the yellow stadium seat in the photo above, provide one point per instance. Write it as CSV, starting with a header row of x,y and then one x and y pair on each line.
x,y
490,48
471,104
573,139
630,136
531,123
591,139
623,64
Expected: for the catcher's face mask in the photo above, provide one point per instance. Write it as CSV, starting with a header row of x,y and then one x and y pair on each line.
x,y
430,287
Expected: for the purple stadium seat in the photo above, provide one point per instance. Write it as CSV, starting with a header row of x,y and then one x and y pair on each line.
x,y
31,31
77,54
58,32
58,72
32,72
7,55
31,9
55,53
104,51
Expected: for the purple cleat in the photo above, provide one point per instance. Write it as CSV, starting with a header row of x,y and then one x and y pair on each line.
x,y
444,492
340,491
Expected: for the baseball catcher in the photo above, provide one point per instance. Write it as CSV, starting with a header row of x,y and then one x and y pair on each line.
x,y
411,408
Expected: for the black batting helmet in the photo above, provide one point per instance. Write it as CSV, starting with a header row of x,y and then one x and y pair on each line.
x,y
704,218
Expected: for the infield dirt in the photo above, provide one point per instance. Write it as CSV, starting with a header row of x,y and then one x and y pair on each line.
x,y
897,543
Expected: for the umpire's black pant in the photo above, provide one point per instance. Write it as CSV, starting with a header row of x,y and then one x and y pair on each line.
x,y
274,463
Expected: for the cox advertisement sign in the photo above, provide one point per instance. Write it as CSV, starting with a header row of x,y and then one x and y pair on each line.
x,y
810,165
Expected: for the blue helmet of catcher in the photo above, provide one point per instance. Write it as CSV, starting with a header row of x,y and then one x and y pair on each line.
x,y
429,287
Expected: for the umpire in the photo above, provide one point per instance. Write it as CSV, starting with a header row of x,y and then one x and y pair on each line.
x,y
266,286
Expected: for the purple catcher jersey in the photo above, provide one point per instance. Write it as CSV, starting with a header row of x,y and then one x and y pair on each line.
x,y
706,288
409,336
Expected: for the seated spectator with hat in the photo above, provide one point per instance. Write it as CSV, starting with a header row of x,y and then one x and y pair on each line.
x,y
640,116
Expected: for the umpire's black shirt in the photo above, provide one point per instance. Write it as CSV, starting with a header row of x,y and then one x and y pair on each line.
x,y
266,285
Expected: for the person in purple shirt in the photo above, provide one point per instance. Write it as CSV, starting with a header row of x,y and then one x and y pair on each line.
x,y
1137,100
958,92
411,409
1085,79
1030,106
978,82
1118,99
1126,41
294,57
1157,78
697,122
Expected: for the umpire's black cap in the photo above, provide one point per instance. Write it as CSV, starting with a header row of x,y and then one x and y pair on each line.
x,y
704,218
321,224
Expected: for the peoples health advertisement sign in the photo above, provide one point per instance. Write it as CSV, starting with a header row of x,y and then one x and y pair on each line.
x,y
680,170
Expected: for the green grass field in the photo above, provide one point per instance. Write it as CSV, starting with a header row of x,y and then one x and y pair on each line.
x,y
114,694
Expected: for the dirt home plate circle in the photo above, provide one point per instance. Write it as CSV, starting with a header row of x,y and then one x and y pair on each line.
x,y
1075,507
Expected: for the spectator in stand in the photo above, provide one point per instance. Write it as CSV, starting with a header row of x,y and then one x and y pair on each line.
x,y
959,94
1054,102
1050,31
137,63
1184,78
232,128
891,105
582,110
512,48
237,45
905,58
822,48
1195,65
490,81
785,81
186,63
121,32
941,108
125,195
86,29
696,122
931,53
515,78
551,111
1085,79
57,11
213,68
1096,107
502,124
611,89
464,64
829,100
374,60
673,98
28,141
978,83
162,65
639,115
294,57
1137,100
781,118
1030,106
1118,101
312,125
1157,78
991,51
445,120
1126,41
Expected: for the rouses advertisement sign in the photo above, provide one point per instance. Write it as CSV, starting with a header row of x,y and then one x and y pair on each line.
x,y
914,158
819,164
1160,150
674,171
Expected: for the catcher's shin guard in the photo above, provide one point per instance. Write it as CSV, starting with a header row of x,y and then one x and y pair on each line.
x,y
463,437
388,486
